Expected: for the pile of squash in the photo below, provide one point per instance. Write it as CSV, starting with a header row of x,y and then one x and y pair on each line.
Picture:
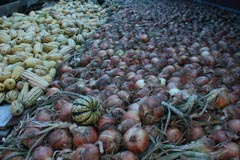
x,y
32,45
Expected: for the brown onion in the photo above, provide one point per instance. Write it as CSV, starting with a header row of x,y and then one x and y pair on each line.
x,y
86,152
173,134
219,136
151,130
126,155
117,113
11,155
136,140
66,112
60,139
126,124
44,115
151,110
111,140
134,107
196,133
234,125
83,135
59,103
52,90
105,119
42,153
232,111
222,100
124,95
144,38
85,60
131,115
114,101
228,151
28,135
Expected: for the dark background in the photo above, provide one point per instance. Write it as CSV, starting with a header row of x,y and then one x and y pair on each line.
x,y
233,4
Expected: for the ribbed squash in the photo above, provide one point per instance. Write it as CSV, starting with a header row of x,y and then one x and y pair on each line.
x,y
16,108
2,97
86,110
31,98
11,95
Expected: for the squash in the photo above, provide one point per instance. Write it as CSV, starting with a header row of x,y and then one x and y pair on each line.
x,y
12,95
2,97
16,108
9,83
86,110
31,98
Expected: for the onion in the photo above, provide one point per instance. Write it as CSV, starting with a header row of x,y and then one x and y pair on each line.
x,y
232,111
124,95
173,134
196,133
126,124
85,60
144,38
152,80
234,125
126,155
130,115
114,101
86,152
83,135
222,100
58,105
11,155
28,135
145,91
134,107
42,153
219,136
111,140
228,151
136,140
44,115
60,139
150,110
105,119
65,68
117,113
151,130
52,90
66,112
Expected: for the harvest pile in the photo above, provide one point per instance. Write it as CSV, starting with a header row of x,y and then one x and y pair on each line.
x,y
32,45
159,80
